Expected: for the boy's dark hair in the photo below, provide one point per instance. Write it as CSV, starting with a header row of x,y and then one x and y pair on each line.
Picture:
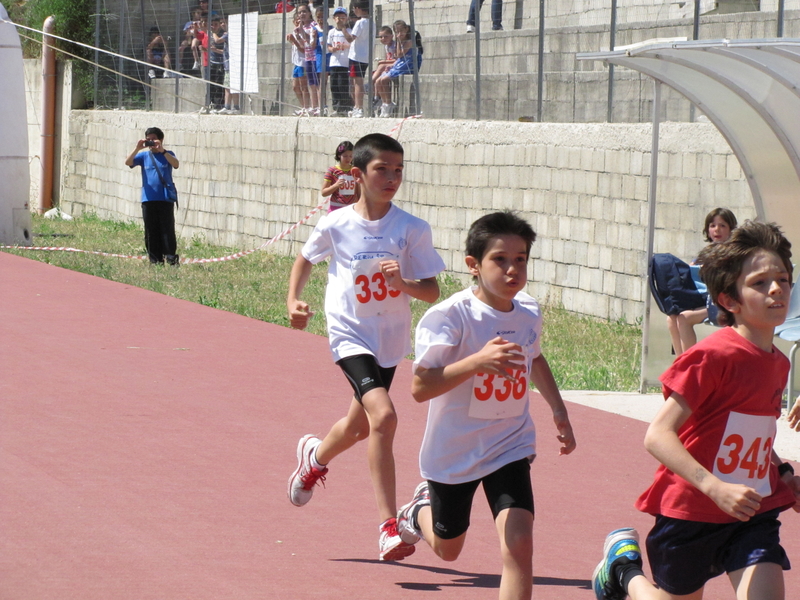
x,y
490,226
342,148
156,131
369,146
385,29
725,213
722,264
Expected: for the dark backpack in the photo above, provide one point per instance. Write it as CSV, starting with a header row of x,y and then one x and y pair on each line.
x,y
671,285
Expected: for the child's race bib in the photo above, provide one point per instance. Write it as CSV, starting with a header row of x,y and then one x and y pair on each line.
x,y
373,295
349,186
745,453
495,397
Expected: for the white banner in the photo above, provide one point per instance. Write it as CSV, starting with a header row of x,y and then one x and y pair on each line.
x,y
250,52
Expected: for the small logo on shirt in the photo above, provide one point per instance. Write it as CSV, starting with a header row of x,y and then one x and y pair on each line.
x,y
510,331
531,336
373,237
402,242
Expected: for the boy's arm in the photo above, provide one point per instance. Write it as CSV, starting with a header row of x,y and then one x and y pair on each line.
x,y
497,357
299,314
426,290
662,441
132,155
542,378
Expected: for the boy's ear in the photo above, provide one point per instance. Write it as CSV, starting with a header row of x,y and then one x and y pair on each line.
x,y
356,173
728,303
472,265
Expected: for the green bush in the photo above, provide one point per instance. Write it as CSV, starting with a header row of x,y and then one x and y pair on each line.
x,y
74,20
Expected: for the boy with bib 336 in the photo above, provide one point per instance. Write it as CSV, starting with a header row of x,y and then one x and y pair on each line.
x,y
720,488
475,354
381,257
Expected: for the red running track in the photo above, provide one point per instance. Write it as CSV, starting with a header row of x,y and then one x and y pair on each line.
x,y
145,445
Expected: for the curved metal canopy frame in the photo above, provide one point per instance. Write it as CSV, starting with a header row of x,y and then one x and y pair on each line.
x,y
750,89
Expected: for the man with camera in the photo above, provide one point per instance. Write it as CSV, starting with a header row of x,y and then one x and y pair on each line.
x,y
159,196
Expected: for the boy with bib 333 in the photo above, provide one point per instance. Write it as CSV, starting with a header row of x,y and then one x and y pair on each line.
x,y
719,490
381,257
475,354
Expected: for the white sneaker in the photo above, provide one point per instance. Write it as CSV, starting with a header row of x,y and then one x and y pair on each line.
x,y
357,113
390,544
407,529
384,110
305,477
195,66
151,74
470,28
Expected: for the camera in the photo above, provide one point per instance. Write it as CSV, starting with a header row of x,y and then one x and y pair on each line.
x,y
149,143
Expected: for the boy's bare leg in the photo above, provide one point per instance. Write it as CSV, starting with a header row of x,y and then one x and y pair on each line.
x,y
447,550
640,588
515,529
763,581
674,334
382,426
344,434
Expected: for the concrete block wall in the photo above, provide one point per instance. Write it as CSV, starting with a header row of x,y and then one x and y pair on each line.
x,y
583,187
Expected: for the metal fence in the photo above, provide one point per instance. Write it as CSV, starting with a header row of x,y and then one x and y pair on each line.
x,y
515,61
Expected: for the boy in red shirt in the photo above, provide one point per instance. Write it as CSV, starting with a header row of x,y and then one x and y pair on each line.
x,y
720,487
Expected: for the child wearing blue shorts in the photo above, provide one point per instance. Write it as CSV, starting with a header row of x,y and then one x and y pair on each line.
x,y
720,488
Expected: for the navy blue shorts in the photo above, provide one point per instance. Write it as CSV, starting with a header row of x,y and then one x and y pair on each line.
x,y
684,555
365,374
451,504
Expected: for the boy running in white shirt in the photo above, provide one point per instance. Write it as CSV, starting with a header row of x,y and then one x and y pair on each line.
x,y
475,354
381,257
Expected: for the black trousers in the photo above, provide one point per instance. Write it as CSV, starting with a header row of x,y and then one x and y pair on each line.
x,y
159,231
340,89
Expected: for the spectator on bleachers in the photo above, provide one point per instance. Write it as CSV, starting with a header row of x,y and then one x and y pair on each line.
x,y
299,83
338,46
157,53
386,36
188,37
359,41
497,16
403,65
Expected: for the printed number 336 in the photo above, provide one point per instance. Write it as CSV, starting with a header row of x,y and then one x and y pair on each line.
x,y
488,385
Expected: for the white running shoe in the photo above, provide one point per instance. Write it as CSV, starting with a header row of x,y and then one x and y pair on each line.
x,y
357,113
390,544
151,74
470,28
305,477
407,529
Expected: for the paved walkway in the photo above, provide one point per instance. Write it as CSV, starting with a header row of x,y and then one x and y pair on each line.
x,y
145,444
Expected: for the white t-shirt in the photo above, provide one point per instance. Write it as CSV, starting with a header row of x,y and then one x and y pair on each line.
x,y
359,49
339,58
364,315
485,423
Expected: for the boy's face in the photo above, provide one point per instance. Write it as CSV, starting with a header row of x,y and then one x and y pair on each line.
x,y
340,19
763,287
502,272
386,37
382,177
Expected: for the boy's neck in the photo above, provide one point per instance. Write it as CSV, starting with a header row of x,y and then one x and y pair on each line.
x,y
761,337
371,210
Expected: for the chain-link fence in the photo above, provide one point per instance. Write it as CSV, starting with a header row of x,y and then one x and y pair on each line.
x,y
511,61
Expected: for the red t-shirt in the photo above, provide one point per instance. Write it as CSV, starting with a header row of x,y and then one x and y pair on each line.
x,y
201,35
734,391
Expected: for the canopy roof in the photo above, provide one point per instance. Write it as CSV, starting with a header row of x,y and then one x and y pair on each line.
x,y
750,89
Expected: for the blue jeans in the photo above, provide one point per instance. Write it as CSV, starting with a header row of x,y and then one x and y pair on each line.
x,y
497,14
